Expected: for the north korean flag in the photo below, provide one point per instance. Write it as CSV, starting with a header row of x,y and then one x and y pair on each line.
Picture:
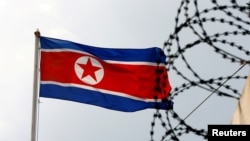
x,y
117,79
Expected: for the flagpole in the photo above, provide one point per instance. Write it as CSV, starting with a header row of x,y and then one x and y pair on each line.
x,y
35,89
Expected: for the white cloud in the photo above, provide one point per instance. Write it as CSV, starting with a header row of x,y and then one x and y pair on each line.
x,y
48,7
2,4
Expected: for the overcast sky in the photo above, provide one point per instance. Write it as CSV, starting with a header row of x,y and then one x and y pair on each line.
x,y
106,23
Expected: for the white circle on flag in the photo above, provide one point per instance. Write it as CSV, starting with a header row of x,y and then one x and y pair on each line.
x,y
89,70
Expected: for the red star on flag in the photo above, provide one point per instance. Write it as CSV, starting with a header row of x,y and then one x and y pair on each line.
x,y
89,69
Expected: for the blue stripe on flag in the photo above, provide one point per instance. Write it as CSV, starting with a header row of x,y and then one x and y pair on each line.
x,y
152,54
93,97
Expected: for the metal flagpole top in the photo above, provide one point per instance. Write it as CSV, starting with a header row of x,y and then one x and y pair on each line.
x,y
37,33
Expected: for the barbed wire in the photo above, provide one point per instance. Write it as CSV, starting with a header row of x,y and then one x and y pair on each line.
x,y
233,20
